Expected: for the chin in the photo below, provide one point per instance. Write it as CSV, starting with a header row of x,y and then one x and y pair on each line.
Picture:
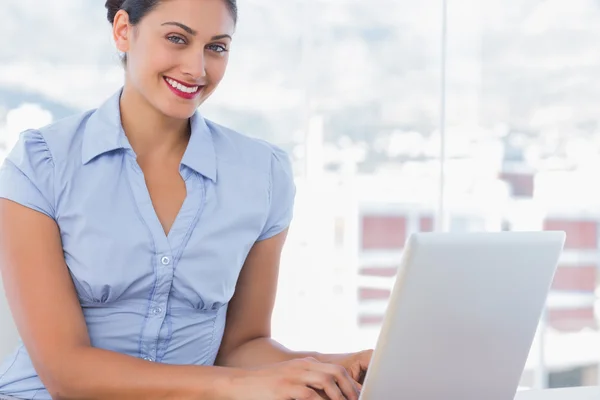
x,y
177,110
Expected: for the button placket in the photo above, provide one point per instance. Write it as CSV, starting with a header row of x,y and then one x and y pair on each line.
x,y
161,261
156,315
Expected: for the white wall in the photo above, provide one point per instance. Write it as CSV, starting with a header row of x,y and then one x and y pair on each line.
x,y
8,332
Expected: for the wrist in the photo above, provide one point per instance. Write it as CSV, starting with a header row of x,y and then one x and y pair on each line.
x,y
224,387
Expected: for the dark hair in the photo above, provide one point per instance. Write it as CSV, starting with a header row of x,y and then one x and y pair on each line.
x,y
137,9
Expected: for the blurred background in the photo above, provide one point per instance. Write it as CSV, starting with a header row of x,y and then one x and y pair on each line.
x,y
400,116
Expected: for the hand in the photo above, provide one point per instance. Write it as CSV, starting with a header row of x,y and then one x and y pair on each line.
x,y
300,379
355,363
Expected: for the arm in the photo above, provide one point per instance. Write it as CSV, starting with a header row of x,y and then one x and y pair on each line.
x,y
247,340
48,315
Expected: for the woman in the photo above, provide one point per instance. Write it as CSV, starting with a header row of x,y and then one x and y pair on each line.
x,y
140,242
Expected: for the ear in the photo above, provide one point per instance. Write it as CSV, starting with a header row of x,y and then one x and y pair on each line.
x,y
122,31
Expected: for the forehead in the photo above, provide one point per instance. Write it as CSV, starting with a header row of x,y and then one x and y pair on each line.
x,y
207,17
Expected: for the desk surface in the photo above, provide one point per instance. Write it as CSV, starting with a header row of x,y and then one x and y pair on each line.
x,y
583,393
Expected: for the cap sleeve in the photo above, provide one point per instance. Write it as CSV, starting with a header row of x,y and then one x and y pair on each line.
x,y
27,174
282,195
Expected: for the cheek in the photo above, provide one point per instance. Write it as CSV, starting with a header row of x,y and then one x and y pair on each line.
x,y
150,61
160,61
215,69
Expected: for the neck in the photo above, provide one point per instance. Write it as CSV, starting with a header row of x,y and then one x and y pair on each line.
x,y
150,132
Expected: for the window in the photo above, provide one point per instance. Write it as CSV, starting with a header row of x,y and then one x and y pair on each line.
x,y
519,100
353,90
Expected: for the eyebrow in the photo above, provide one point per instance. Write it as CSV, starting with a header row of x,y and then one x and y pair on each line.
x,y
193,32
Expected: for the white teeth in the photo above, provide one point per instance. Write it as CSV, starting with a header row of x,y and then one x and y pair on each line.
x,y
181,87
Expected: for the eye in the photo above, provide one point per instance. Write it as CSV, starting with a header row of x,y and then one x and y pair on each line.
x,y
176,39
217,48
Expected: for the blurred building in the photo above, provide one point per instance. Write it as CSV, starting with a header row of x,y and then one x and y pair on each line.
x,y
571,350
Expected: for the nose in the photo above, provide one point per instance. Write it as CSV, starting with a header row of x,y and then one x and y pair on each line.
x,y
195,66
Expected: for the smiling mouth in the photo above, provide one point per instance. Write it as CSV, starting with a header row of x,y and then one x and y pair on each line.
x,y
181,87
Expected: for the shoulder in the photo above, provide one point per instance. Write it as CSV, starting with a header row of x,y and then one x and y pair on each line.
x,y
59,138
234,147
28,173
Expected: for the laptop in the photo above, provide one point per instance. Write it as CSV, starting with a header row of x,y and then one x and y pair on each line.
x,y
463,315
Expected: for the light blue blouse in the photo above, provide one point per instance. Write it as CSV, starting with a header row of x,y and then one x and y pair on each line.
x,y
158,297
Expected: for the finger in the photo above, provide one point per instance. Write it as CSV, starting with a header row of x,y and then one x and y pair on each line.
x,y
365,359
324,382
356,371
343,379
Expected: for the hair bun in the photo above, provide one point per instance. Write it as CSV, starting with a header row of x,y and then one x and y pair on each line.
x,y
112,7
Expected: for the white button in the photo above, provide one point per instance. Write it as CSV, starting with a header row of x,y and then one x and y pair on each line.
x,y
156,310
165,260
148,358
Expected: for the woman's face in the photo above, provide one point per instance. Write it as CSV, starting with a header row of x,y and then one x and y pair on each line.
x,y
177,54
